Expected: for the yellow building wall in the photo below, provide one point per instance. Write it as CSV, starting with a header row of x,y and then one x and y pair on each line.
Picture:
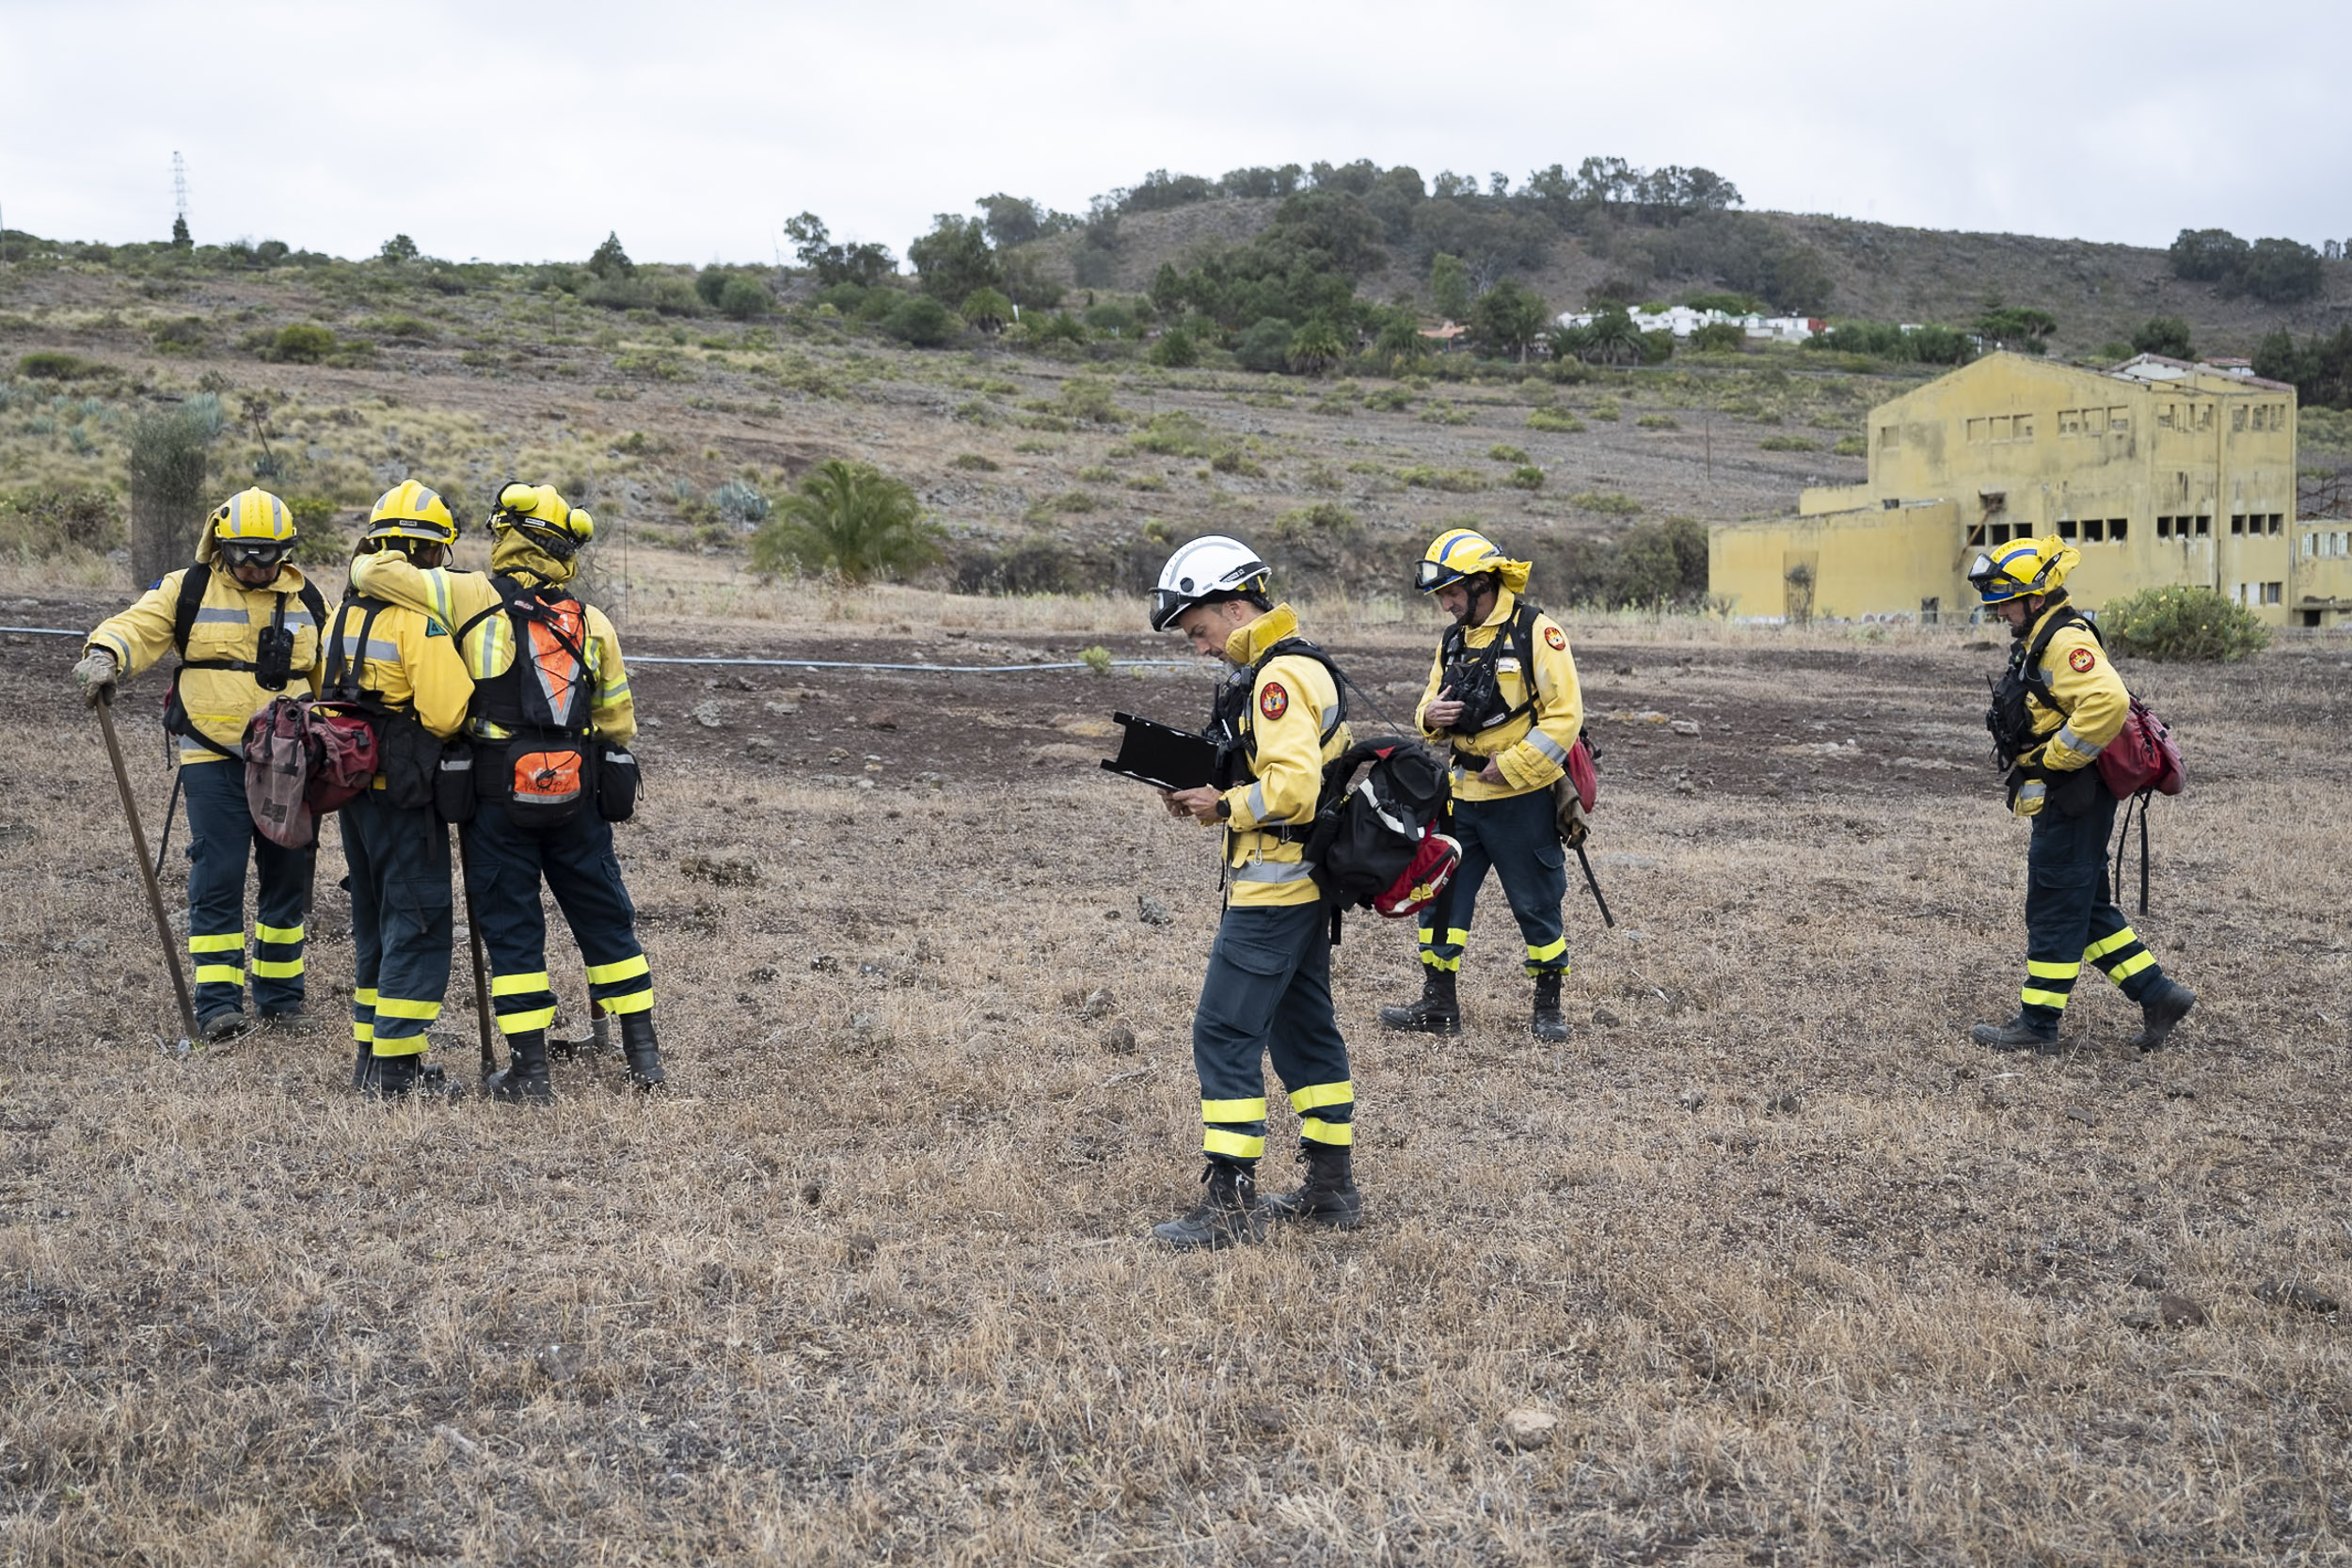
x,y
1875,563
2323,576
2157,483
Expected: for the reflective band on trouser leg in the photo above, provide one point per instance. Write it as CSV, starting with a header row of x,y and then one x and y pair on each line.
x,y
2048,984
1446,955
1333,1108
524,1002
1550,958
211,948
276,951
363,1014
1233,1128
400,1025
2121,955
624,987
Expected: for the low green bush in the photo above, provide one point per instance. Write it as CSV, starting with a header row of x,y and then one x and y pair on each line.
x,y
1658,422
41,525
184,335
50,366
1526,477
974,462
1608,503
1553,419
921,320
1500,453
1789,443
2178,625
300,343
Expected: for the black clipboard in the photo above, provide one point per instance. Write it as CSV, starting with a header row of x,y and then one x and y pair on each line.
x,y
1165,758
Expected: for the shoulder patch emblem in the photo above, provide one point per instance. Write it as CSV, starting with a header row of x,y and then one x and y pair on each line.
x,y
1553,638
2082,659
1274,702
435,629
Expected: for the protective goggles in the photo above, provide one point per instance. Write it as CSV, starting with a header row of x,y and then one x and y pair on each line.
x,y
1167,604
254,552
558,543
1994,584
1430,576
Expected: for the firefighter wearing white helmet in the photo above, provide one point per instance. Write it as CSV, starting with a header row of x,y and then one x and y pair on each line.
x,y
400,664
1503,695
551,721
1279,718
2057,707
244,623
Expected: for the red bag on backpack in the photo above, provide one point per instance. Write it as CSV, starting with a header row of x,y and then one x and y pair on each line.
x,y
2141,756
302,760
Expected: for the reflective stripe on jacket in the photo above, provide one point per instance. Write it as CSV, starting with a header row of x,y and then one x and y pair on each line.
x,y
227,622
1288,700
2092,701
410,662
1533,749
457,597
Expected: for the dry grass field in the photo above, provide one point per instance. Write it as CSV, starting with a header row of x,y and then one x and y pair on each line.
x,y
1797,1274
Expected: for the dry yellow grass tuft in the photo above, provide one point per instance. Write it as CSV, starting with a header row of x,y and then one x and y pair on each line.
x,y
1796,1272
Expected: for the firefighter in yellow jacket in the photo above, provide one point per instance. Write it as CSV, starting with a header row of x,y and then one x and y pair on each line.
x,y
1503,693
401,666
1278,718
541,814
245,624
2059,704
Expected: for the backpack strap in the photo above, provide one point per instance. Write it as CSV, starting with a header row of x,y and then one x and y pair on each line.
x,y
344,672
193,583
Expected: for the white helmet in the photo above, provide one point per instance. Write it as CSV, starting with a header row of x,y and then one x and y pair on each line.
x,y
1205,568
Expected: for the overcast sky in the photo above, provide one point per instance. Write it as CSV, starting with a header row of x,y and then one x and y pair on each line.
x,y
524,132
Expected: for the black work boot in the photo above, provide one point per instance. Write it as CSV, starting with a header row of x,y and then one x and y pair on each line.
x,y
2160,1011
1226,1212
364,1054
525,1075
1545,1024
404,1076
2018,1034
1328,1196
1436,1013
642,1051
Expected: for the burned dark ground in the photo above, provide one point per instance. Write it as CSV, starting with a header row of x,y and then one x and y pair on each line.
x,y
1792,1270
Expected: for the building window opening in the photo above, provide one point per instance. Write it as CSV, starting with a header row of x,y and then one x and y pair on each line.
x,y
2237,523
2273,592
2066,528
1928,611
1890,436
2277,522
2164,528
2237,418
1976,535
2094,529
2070,422
2165,416
2118,529
2119,420
2205,527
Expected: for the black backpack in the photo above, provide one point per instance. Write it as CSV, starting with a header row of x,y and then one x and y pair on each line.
x,y
1375,844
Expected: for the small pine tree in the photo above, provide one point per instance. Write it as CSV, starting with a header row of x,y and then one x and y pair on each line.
x,y
179,240
610,260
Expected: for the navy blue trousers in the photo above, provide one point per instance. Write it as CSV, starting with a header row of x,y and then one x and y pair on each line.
x,y
1519,838
1268,993
221,843
505,864
2070,917
401,922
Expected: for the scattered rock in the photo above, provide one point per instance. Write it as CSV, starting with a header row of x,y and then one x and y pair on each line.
x,y
1110,914
2179,1091
2146,1279
2077,1114
1119,1041
1625,669
1606,1019
2302,1298
1994,1100
861,1249
1684,726
811,1194
1691,1099
1962,1074
764,973
1529,1429
824,961
781,710
1788,1103
1979,647
720,873
459,1441
1098,1003
708,714
2180,1312
862,1024
881,721
1650,716
1152,912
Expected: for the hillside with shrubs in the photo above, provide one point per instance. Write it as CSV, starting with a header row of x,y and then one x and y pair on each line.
x,y
1334,362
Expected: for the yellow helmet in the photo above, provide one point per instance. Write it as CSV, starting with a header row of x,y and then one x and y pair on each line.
x,y
409,511
251,527
559,529
2027,566
1463,552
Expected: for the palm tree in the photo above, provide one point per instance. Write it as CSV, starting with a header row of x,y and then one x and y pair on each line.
x,y
849,519
1612,338
1316,348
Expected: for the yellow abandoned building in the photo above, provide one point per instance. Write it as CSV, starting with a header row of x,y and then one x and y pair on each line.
x,y
2162,471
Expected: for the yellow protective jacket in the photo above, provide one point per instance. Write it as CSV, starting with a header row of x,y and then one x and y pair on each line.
x,y
2091,702
1286,742
1533,749
488,646
228,620
408,661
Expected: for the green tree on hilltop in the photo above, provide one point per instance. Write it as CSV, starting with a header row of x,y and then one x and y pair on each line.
x,y
610,261
953,259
